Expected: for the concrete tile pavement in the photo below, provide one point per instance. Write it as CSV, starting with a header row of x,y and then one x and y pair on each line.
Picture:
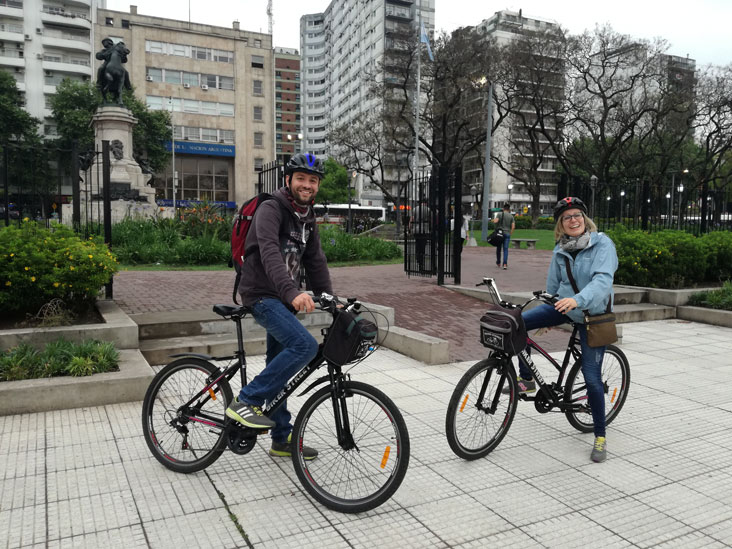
x,y
85,478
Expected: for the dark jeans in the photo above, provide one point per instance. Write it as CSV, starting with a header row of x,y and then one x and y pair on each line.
x,y
503,247
545,316
289,348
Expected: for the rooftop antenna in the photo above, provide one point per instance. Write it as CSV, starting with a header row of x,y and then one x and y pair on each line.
x,y
269,15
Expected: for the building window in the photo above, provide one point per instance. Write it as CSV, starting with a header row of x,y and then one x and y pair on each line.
x,y
109,21
258,114
209,134
258,139
226,83
258,164
257,87
209,80
257,61
172,77
208,107
190,78
227,136
125,23
156,75
154,47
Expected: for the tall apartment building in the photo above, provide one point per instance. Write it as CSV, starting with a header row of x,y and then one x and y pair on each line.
x,y
339,47
217,83
288,133
504,26
41,43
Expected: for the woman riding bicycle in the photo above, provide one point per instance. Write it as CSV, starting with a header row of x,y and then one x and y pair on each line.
x,y
593,263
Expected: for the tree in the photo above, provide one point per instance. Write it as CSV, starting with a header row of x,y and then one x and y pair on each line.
x,y
17,125
334,186
75,103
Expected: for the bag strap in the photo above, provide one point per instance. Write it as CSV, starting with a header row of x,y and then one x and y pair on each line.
x,y
574,285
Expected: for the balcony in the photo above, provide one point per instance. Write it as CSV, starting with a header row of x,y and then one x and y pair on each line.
x,y
12,8
67,64
66,17
11,57
55,38
11,32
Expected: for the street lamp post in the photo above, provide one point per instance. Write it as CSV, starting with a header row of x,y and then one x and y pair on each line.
x,y
622,194
593,186
668,207
350,217
681,196
510,188
172,148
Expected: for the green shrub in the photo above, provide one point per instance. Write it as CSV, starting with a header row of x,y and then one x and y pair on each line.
x,y
671,259
524,222
714,299
341,246
58,358
205,220
39,264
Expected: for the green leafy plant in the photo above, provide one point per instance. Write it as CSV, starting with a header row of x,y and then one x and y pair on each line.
x,y
38,265
714,299
341,246
58,358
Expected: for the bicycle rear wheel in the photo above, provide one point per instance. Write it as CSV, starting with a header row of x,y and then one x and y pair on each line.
x,y
185,440
366,468
616,382
474,425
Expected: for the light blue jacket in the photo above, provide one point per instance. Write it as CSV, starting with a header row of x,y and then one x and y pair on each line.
x,y
593,270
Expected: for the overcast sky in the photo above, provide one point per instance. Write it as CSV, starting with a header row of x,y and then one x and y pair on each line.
x,y
699,29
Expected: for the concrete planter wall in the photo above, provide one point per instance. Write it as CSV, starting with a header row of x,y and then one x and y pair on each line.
x,y
717,317
117,328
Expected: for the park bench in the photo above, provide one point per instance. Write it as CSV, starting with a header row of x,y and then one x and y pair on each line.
x,y
530,243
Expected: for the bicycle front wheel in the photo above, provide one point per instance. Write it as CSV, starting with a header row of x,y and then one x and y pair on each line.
x,y
479,413
364,468
615,381
185,439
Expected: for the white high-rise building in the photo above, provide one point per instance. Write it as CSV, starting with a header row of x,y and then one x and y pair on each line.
x,y
41,43
339,47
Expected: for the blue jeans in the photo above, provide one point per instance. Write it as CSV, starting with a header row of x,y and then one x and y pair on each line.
x,y
504,247
545,316
289,348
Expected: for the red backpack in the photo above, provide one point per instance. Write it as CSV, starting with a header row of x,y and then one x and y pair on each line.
x,y
242,223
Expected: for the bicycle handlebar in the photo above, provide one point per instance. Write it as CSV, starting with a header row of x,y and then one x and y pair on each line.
x,y
330,303
540,295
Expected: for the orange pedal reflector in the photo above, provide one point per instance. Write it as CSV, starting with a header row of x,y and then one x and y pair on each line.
x,y
385,458
615,393
210,392
465,401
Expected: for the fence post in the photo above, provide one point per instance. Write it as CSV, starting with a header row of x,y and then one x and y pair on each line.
x,y
75,191
441,186
644,206
457,239
6,185
704,208
107,208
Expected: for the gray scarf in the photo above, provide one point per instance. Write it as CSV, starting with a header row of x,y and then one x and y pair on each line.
x,y
574,243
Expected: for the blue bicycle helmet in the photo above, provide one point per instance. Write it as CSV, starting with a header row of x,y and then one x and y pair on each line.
x,y
305,162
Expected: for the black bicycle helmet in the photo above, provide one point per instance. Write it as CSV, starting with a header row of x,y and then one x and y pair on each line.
x,y
567,204
305,162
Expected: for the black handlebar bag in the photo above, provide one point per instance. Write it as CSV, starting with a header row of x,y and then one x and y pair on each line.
x,y
502,329
349,337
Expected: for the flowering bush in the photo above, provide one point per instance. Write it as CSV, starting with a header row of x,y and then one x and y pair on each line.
x,y
39,264
205,220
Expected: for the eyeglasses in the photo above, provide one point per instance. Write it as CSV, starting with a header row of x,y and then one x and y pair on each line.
x,y
571,217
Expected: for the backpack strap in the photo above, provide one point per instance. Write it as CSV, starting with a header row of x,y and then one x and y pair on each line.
x,y
574,285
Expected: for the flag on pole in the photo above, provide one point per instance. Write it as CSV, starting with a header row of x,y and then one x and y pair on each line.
x,y
425,39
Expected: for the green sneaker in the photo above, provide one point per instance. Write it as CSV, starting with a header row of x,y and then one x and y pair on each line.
x,y
525,386
284,449
249,416
599,451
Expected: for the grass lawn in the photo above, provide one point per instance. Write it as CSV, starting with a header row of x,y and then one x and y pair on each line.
x,y
544,237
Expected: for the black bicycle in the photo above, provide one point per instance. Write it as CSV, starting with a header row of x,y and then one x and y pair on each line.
x,y
480,412
360,434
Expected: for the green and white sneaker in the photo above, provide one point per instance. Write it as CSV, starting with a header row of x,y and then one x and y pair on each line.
x,y
249,416
284,449
525,386
599,450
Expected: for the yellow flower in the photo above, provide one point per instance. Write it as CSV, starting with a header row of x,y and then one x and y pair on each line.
x,y
8,283
33,279
71,268
91,256
27,268
26,219
55,284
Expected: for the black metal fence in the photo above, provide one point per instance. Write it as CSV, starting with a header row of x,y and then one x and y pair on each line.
x,y
654,207
271,178
432,241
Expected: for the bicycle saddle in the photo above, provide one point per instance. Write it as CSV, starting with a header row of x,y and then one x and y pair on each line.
x,y
232,311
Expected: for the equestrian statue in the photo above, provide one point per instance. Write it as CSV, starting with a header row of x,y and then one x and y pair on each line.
x,y
112,77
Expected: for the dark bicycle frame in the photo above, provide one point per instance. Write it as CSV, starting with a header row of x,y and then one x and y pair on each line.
x,y
335,376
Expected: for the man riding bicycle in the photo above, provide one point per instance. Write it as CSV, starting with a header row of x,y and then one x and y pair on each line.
x,y
282,238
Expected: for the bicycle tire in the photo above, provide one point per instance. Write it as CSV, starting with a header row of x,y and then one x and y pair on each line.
x,y
473,433
172,387
615,377
359,479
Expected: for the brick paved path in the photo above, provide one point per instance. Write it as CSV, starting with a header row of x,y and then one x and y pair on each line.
x,y
419,304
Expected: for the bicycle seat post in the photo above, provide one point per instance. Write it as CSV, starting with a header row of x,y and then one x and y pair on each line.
x,y
240,353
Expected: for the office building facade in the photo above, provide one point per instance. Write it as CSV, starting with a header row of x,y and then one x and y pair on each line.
x,y
288,133
217,83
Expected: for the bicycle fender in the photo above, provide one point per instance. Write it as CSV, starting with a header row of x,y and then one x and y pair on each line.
x,y
194,355
318,381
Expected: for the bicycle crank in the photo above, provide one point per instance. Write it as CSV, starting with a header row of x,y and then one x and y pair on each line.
x,y
240,440
542,404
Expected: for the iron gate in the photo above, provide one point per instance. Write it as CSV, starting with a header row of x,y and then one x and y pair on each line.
x,y
432,240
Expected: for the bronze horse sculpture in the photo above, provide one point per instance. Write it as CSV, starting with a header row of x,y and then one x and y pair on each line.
x,y
112,77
